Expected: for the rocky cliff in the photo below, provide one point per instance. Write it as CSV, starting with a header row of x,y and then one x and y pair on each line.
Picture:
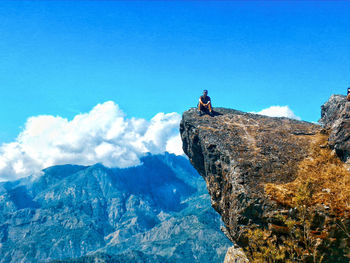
x,y
252,162
237,153
335,116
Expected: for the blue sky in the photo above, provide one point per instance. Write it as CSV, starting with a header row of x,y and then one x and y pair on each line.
x,y
64,57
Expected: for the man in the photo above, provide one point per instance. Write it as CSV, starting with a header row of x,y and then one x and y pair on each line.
x,y
348,96
204,105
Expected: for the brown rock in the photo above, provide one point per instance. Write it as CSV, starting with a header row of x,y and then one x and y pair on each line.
x,y
335,116
237,153
235,255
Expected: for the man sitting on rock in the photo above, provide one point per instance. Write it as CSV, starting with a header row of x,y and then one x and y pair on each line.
x,y
204,105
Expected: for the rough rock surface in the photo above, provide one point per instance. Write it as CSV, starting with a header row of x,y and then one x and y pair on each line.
x,y
335,116
235,255
237,153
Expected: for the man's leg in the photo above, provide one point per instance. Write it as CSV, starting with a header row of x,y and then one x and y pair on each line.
x,y
200,112
209,107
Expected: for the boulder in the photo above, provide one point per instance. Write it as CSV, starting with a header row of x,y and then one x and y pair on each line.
x,y
335,116
238,153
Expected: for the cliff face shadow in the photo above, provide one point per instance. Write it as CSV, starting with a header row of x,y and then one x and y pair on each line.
x,y
213,113
216,113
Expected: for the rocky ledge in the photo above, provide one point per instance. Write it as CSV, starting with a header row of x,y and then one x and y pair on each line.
x,y
335,116
239,153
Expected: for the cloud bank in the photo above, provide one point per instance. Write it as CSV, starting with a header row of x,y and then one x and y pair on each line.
x,y
279,111
103,135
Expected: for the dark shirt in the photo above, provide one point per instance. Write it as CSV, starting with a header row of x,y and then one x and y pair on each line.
x,y
205,100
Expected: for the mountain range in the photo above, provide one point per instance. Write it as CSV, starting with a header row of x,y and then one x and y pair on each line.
x,y
158,211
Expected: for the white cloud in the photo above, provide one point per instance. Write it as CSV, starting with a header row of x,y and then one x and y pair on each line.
x,y
278,111
174,145
102,135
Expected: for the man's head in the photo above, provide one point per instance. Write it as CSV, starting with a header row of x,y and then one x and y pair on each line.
x,y
205,93
348,90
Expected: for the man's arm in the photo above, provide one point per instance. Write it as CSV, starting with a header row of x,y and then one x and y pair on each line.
x,y
202,103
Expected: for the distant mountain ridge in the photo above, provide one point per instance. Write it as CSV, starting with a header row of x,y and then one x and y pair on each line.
x,y
156,212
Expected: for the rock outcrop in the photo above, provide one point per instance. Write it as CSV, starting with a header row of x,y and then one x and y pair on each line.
x,y
335,116
235,255
239,153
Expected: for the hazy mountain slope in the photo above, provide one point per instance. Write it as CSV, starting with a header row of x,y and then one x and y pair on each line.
x,y
159,210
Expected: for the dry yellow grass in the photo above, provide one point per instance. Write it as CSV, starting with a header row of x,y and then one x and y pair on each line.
x,y
325,176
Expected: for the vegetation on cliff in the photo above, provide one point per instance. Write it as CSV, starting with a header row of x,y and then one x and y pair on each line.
x,y
326,177
316,228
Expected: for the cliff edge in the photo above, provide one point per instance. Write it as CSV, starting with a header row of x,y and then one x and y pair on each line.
x,y
254,165
335,116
